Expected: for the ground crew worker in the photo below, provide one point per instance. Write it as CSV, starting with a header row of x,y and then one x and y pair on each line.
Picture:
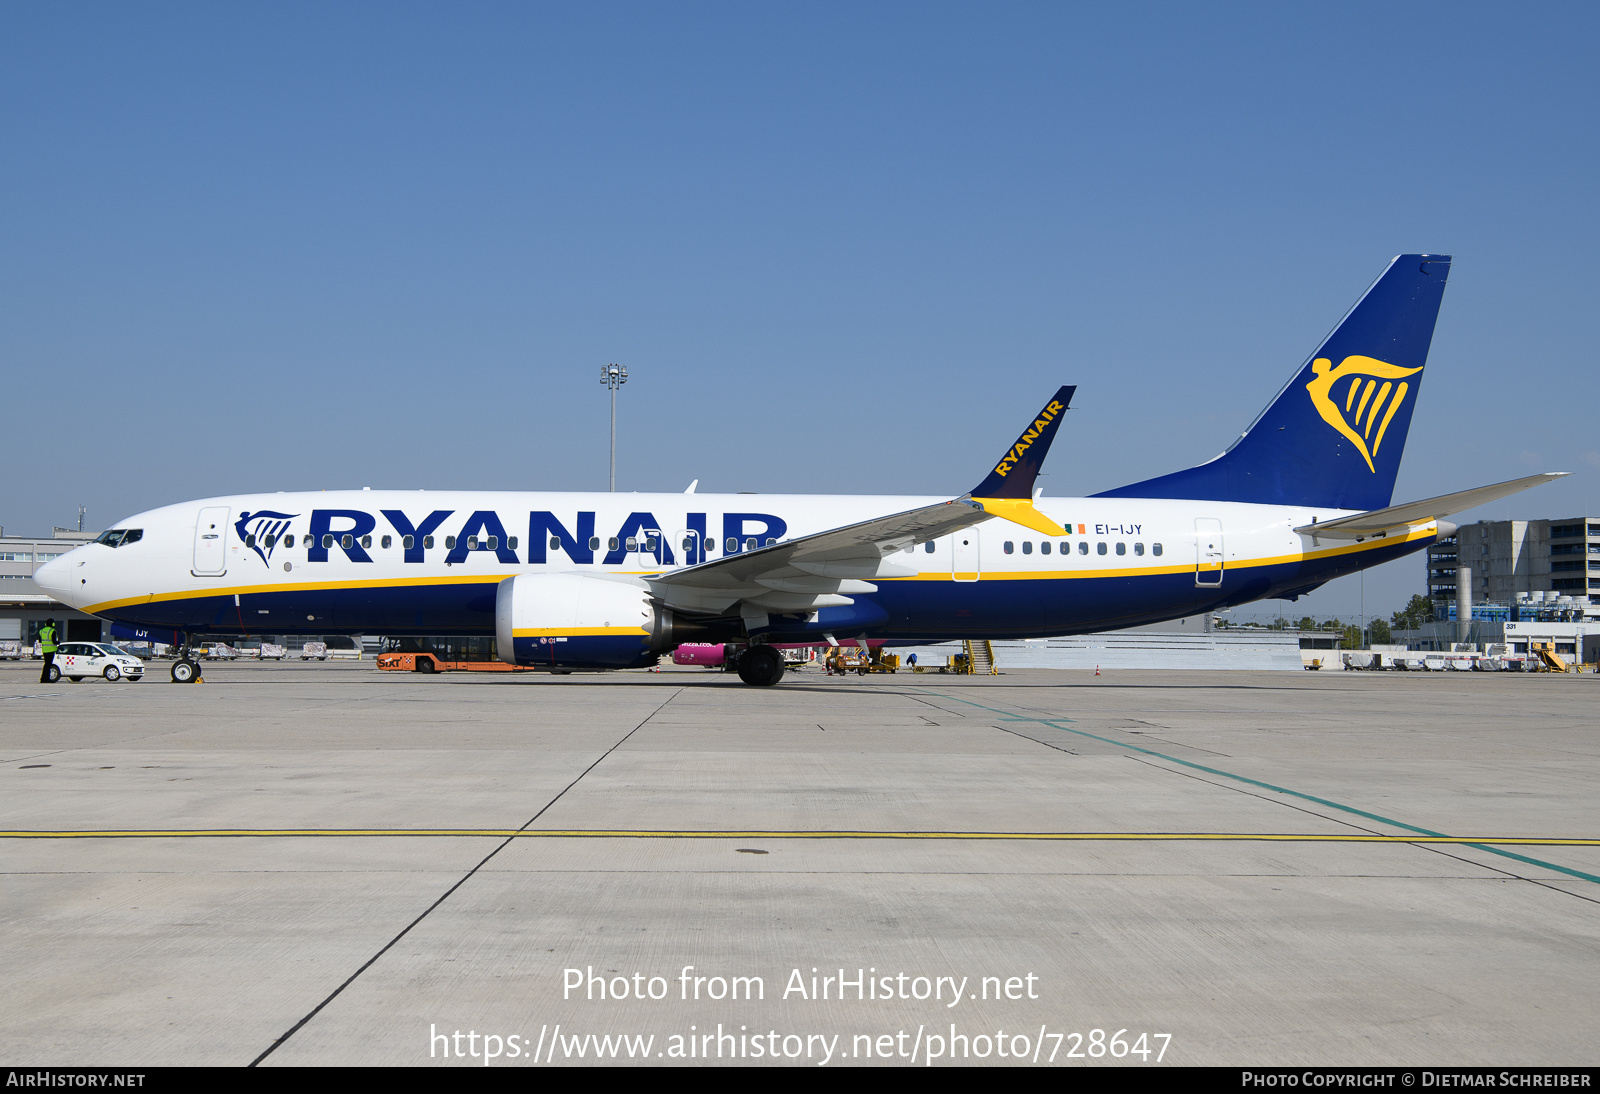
x,y
47,646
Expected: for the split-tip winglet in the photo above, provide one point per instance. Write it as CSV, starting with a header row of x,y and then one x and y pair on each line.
x,y
1007,491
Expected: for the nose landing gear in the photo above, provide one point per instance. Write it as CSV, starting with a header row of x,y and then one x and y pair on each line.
x,y
185,670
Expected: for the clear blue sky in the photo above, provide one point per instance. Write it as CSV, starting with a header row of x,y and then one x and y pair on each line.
x,y
840,248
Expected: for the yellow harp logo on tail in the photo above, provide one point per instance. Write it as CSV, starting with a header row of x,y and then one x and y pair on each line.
x,y
1356,385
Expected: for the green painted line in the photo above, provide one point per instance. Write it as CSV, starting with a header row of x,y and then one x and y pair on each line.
x,y
1054,723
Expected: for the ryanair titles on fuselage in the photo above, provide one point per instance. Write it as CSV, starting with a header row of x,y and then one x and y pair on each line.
x,y
350,531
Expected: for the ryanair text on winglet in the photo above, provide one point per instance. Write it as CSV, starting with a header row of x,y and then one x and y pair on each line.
x,y
1025,441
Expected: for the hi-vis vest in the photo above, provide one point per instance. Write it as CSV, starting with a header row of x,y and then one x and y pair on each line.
x,y
47,640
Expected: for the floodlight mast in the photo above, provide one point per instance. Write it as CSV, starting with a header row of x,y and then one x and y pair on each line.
x,y
613,376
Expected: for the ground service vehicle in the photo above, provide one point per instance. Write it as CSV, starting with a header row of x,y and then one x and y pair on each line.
x,y
75,660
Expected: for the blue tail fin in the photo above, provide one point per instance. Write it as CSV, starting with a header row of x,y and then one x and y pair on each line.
x,y
1334,435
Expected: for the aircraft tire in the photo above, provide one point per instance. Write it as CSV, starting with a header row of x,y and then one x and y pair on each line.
x,y
761,666
185,672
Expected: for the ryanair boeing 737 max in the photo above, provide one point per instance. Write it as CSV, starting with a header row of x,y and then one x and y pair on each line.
x,y
577,580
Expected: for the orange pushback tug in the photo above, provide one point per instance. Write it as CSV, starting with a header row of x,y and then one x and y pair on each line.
x,y
427,662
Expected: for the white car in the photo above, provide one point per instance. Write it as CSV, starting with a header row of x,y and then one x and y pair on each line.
x,y
75,660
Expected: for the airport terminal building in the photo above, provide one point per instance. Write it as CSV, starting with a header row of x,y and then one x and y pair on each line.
x,y
1555,558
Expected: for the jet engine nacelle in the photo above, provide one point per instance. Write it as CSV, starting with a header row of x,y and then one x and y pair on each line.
x,y
579,622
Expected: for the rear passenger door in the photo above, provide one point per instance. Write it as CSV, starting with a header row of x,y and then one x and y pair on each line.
x,y
1208,552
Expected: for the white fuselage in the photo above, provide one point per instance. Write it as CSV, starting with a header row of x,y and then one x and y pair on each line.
x,y
338,561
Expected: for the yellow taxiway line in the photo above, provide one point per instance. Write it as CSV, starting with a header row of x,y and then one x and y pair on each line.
x,y
703,834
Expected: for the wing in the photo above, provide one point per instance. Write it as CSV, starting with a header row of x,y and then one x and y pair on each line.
x,y
814,571
822,570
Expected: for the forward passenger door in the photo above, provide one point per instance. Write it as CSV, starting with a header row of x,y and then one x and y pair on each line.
x,y
211,542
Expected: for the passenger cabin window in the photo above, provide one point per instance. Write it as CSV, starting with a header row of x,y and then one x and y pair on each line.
x,y
1099,548
928,547
594,542
1044,548
494,543
1027,546
688,543
450,543
388,541
270,541
1009,547
555,543
1122,548
611,544
472,543
427,543
750,543
1138,548
347,541
250,540
408,542
633,545
1155,548
1083,546
512,543
1066,548
366,541
327,541
288,541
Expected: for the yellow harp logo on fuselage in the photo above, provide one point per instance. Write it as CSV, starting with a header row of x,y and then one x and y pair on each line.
x,y
1364,374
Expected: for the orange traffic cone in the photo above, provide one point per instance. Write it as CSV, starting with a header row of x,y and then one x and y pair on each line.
x,y
1097,670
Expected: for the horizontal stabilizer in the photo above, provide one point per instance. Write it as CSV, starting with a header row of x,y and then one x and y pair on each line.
x,y
1395,517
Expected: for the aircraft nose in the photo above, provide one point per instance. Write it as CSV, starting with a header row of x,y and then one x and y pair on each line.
x,y
55,578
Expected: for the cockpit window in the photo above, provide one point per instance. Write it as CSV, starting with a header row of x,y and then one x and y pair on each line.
x,y
120,537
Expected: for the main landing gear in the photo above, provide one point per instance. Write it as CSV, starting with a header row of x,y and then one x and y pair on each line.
x,y
185,670
761,666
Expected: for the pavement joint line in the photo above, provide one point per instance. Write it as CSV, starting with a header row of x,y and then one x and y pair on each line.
x,y
468,876
816,834
1055,723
